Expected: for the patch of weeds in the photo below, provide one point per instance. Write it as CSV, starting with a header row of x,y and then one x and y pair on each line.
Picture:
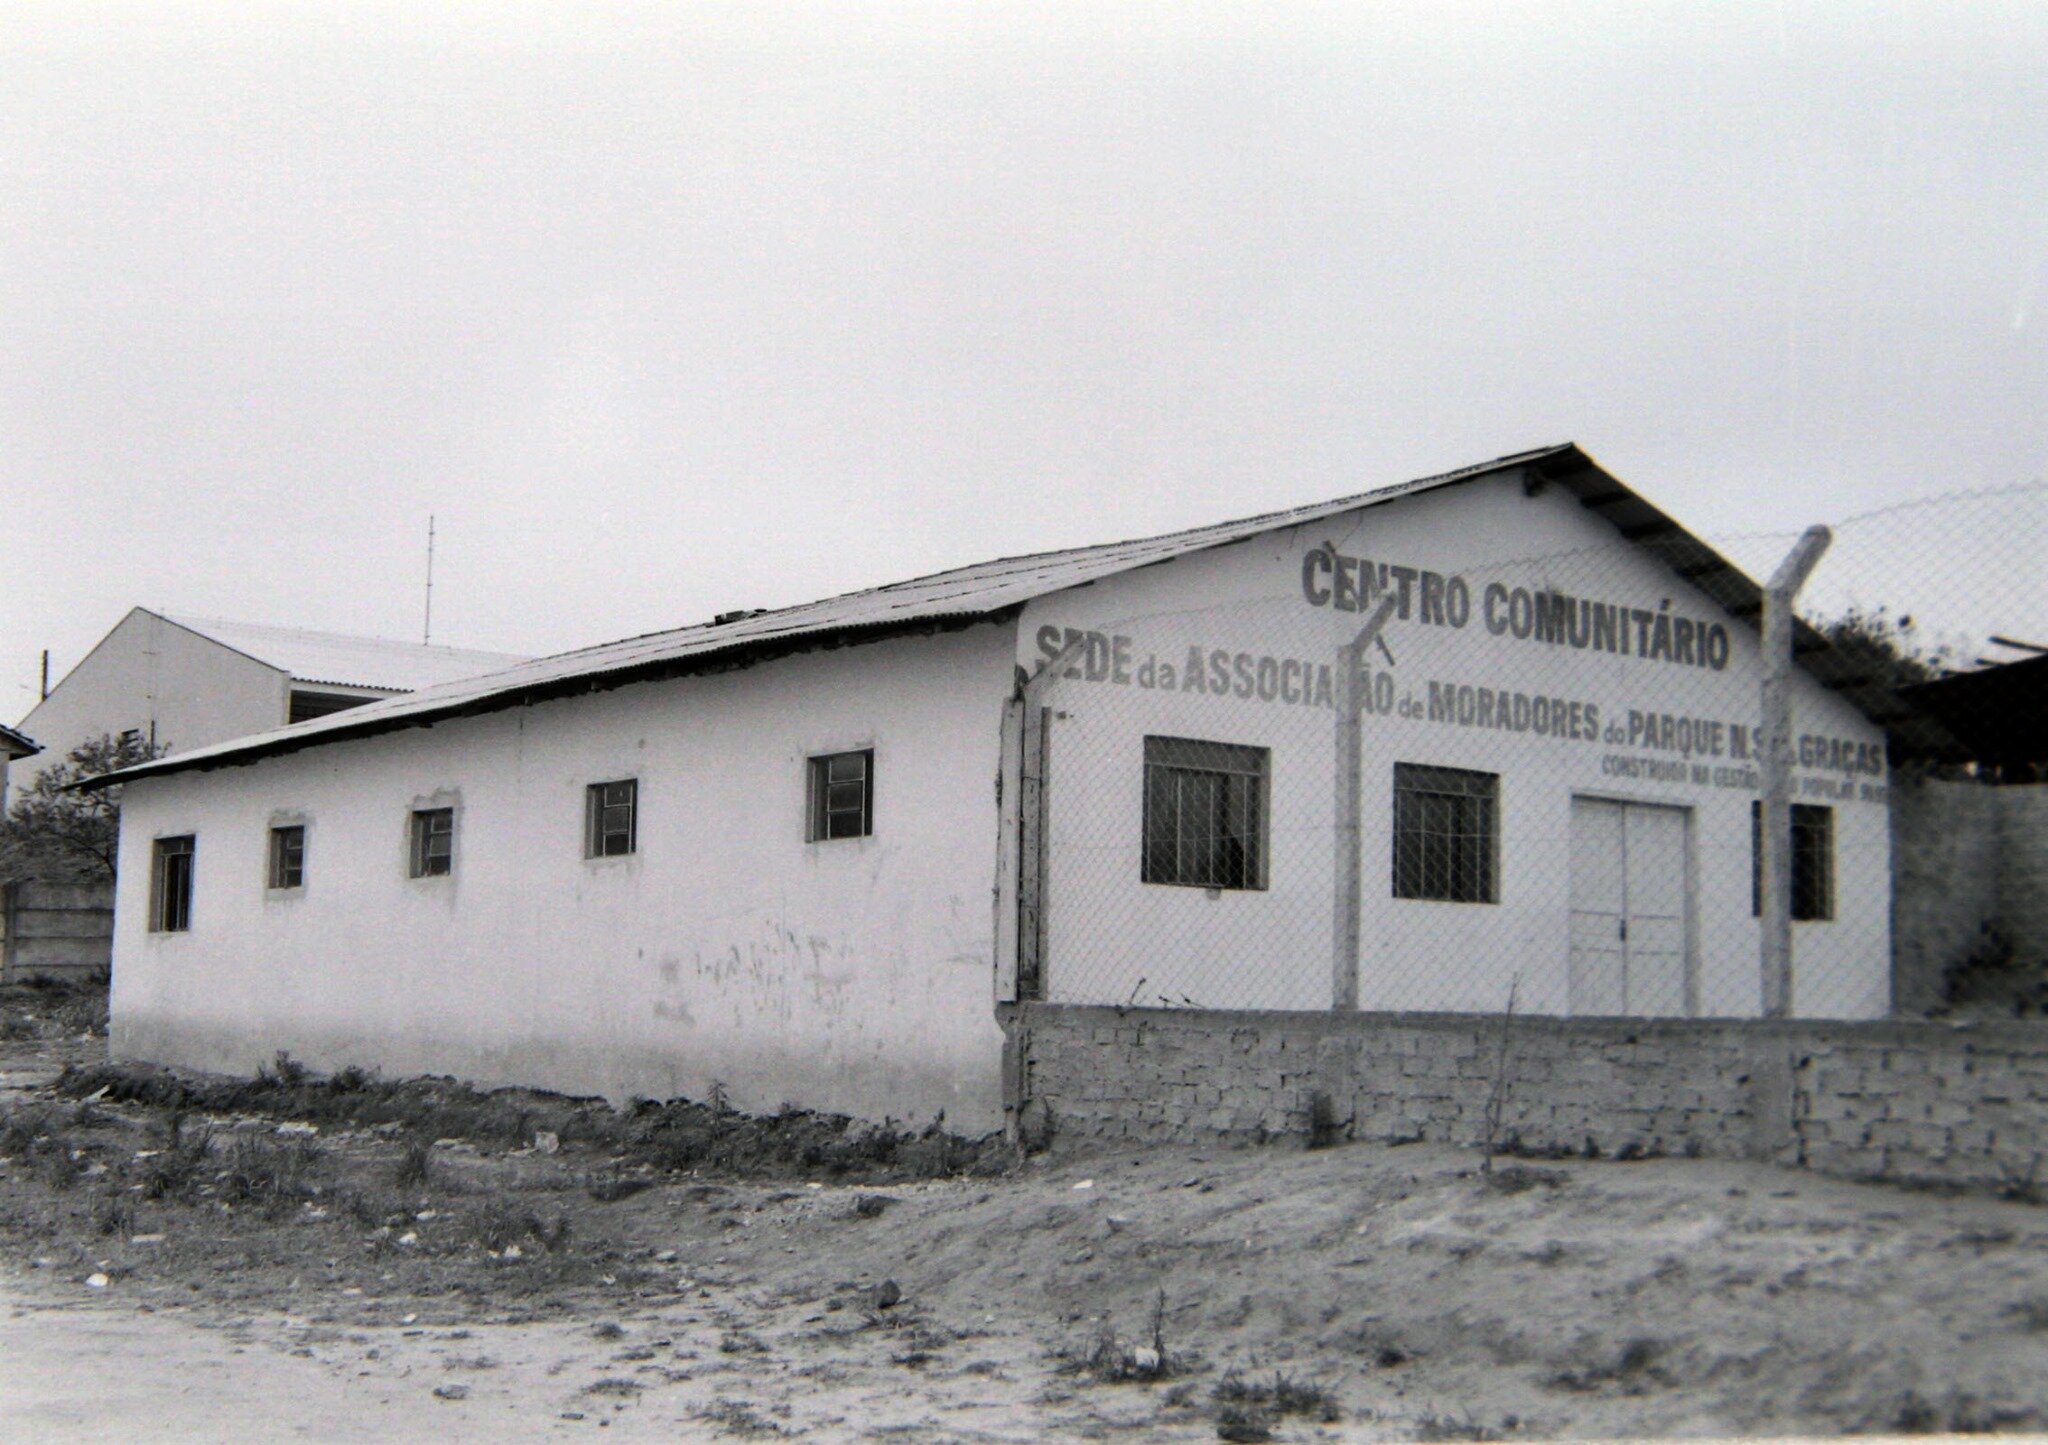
x,y
283,1071
608,1330
1243,1424
614,1387
741,1342
611,1188
921,1339
22,1129
1956,1414
499,1229
415,1167
1109,1359
738,1417
1517,1178
114,1216
56,1163
2032,1314
260,1171
1281,1396
673,1136
1461,1426
1634,1368
2021,1186
365,1209
174,1170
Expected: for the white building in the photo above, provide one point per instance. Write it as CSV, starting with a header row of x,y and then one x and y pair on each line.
x,y
187,682
14,746
806,854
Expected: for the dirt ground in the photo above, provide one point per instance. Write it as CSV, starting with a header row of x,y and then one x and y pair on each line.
x,y
242,1273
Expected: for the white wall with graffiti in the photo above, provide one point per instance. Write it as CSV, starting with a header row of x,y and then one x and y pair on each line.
x,y
1557,766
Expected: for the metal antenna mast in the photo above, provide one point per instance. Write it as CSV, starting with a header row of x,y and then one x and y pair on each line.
x,y
427,627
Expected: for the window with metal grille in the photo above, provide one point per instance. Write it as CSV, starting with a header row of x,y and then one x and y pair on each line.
x,y
1205,813
288,856
433,842
1813,861
1446,834
842,795
610,818
170,885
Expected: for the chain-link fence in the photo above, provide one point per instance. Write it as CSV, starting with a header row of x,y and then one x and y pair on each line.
x,y
1436,760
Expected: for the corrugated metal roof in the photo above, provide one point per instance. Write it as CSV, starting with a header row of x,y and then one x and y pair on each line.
x,y
965,594
339,660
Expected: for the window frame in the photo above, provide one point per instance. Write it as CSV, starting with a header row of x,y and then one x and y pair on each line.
x,y
280,860
596,804
1467,863
1184,776
421,833
1814,897
173,866
818,785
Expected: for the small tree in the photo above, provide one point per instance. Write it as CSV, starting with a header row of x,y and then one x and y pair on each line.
x,y
55,830
1888,648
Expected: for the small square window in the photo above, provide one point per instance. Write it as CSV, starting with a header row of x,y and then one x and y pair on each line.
x,y
1204,814
1813,861
1446,834
288,856
433,842
610,818
842,795
170,885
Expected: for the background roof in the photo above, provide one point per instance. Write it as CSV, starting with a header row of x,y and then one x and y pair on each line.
x,y
343,661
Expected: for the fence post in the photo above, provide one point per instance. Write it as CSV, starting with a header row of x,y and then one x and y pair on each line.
x,y
1775,826
1347,862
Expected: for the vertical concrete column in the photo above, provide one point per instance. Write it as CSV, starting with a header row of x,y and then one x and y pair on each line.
x,y
1775,948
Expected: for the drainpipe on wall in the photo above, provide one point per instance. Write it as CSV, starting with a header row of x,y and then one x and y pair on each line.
x,y
1347,861
1775,948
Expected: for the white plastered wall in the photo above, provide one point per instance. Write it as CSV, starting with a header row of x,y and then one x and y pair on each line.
x,y
1114,939
853,975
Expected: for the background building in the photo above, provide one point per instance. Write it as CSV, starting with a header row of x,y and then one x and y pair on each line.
x,y
185,682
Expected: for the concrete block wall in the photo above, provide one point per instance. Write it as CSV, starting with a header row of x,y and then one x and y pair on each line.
x,y
1895,1100
1969,866
55,930
1945,882
2023,870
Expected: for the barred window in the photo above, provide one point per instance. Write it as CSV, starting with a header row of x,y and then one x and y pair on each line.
x,y
611,818
288,856
1813,861
433,842
842,795
170,885
1205,813
1446,834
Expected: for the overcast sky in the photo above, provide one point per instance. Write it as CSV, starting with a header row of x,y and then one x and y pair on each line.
x,y
669,309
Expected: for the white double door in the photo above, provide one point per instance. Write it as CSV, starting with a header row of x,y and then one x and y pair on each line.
x,y
1631,946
